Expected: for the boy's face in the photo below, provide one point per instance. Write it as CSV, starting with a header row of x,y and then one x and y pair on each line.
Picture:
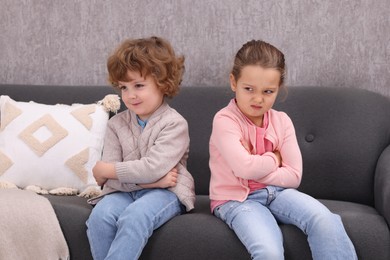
x,y
256,91
141,94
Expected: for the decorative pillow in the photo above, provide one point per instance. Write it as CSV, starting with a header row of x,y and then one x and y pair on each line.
x,y
52,148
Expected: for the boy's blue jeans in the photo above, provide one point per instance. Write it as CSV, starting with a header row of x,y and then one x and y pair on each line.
x,y
255,223
121,223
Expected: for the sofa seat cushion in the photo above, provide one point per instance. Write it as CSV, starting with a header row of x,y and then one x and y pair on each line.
x,y
360,219
214,240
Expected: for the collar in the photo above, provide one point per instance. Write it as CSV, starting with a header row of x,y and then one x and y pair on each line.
x,y
154,117
141,122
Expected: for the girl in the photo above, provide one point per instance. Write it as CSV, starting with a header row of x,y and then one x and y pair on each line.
x,y
143,168
256,165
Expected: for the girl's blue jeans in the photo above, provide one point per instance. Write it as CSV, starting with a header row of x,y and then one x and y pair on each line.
x,y
122,222
255,222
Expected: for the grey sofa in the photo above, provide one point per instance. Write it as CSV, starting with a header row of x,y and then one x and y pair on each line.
x,y
344,135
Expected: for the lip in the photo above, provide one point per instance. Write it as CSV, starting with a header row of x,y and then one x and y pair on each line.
x,y
135,104
256,107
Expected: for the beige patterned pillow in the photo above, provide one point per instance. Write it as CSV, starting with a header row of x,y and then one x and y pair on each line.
x,y
51,147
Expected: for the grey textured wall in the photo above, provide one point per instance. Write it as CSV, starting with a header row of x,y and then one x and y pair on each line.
x,y
327,43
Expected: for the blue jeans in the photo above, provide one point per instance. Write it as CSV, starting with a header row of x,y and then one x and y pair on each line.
x,y
121,223
255,222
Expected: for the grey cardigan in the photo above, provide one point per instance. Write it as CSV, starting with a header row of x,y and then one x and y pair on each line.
x,y
145,156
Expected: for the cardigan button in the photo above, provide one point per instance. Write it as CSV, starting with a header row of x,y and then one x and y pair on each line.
x,y
309,138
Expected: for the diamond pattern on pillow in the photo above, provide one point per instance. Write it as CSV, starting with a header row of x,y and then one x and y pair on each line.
x,y
5,163
76,164
53,147
83,113
41,147
10,113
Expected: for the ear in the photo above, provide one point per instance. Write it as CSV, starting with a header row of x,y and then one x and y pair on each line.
x,y
233,83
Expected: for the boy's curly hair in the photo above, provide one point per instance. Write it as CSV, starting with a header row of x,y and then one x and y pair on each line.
x,y
149,56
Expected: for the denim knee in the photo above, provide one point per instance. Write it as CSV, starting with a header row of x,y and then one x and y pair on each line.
x,y
101,215
267,251
330,223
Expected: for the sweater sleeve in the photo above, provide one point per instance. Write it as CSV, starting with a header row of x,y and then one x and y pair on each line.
x,y
112,150
289,175
167,150
226,139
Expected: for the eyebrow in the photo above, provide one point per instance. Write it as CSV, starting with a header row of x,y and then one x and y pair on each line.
x,y
249,85
135,81
253,86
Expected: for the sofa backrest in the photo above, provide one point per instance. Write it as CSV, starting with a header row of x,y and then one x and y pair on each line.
x,y
341,131
199,105
56,94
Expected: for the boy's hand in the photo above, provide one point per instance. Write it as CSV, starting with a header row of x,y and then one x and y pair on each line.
x,y
167,181
101,171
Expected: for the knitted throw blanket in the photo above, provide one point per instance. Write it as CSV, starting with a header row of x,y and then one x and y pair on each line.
x,y
29,228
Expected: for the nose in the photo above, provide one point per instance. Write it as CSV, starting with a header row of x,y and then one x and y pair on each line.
x,y
129,94
259,98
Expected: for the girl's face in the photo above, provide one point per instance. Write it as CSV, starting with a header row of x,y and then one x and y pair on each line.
x,y
256,91
141,94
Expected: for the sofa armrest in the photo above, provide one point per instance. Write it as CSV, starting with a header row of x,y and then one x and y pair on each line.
x,y
382,185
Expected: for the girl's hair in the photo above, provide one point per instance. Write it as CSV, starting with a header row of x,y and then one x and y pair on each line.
x,y
149,56
257,52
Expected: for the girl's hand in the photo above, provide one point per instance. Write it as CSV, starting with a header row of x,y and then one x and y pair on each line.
x,y
246,145
279,157
169,180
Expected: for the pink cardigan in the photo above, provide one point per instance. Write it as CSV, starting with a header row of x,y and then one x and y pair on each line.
x,y
232,166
